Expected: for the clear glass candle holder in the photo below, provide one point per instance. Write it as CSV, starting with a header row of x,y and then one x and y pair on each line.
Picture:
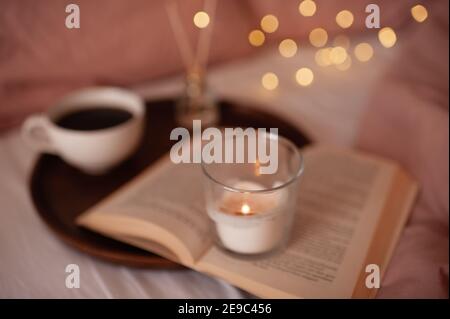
x,y
252,213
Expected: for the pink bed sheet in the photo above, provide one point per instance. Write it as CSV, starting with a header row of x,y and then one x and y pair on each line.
x,y
408,120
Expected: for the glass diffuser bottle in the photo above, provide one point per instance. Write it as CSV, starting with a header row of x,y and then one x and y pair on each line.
x,y
196,101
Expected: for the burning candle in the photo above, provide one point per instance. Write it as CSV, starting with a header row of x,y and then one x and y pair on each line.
x,y
251,222
252,212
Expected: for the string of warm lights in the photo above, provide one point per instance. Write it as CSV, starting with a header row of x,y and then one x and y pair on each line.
x,y
337,53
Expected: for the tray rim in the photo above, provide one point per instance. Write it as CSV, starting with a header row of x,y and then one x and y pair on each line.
x,y
135,260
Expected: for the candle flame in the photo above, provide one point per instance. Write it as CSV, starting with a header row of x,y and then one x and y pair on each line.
x,y
245,209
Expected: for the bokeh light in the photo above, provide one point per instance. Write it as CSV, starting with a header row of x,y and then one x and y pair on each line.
x,y
269,23
287,48
322,57
338,51
307,8
363,52
269,81
201,19
318,37
338,55
344,19
304,76
256,38
419,13
387,37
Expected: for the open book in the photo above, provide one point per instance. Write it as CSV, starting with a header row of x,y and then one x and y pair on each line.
x,y
351,210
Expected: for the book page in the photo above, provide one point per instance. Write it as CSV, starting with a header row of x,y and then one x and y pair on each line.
x,y
341,197
163,204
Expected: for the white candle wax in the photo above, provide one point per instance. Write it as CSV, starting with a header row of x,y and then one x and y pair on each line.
x,y
250,223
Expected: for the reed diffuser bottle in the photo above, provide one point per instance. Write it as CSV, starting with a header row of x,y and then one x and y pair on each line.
x,y
196,102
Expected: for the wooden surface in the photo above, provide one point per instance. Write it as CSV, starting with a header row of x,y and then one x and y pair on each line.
x,y
60,192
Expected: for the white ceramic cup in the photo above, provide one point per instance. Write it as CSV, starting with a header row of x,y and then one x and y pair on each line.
x,y
96,151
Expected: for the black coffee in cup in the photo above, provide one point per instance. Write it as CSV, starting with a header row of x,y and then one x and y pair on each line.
x,y
93,118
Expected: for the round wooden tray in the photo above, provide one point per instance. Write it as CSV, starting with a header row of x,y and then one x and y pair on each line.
x,y
61,192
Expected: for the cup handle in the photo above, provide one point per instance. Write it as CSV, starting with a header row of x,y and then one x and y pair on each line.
x,y
35,133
